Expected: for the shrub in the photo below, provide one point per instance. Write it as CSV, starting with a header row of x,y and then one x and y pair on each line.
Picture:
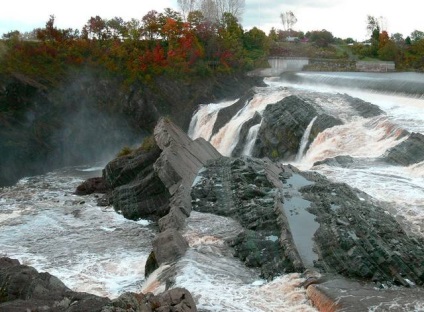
x,y
126,150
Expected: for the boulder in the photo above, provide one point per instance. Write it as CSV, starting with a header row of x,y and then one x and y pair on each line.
x,y
168,246
283,126
244,131
408,152
226,113
92,185
23,288
363,108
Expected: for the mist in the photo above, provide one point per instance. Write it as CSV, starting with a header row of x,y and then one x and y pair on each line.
x,y
81,122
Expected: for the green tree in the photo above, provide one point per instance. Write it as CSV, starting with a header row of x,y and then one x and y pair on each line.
x,y
417,35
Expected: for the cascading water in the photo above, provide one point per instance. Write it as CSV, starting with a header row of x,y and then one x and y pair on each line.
x,y
96,250
250,140
400,96
91,249
305,139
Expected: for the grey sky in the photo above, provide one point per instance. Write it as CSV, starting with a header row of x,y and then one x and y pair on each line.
x,y
344,18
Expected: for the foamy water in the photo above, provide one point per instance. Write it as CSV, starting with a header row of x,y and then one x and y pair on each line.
x,y
90,248
220,282
361,138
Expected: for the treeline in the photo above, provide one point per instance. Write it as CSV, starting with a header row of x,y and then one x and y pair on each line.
x,y
138,49
407,53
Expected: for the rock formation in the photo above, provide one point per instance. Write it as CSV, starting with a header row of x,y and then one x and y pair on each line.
x,y
22,288
410,151
283,126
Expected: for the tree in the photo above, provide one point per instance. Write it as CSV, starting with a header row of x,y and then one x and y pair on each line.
x,y
213,10
383,39
186,6
96,28
320,38
417,35
288,19
117,28
397,38
15,34
372,24
388,51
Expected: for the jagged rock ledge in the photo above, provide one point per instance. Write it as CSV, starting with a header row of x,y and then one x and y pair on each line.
x,y
23,288
292,220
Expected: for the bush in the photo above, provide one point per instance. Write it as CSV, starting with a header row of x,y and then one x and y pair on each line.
x,y
126,150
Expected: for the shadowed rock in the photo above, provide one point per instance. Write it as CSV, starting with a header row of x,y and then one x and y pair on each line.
x,y
408,152
244,131
25,289
283,126
92,185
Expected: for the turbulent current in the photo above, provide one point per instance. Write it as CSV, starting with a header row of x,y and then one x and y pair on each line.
x,y
399,95
96,250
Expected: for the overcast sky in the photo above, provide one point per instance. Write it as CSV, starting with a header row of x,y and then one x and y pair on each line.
x,y
344,18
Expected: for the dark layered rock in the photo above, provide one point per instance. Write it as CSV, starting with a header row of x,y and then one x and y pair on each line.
x,y
247,190
283,126
137,190
295,220
408,152
336,293
356,237
226,113
92,185
343,161
22,288
363,108
244,131
177,166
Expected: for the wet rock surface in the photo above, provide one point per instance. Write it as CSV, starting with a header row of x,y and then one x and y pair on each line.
x,y
92,185
244,131
22,288
225,114
284,124
247,190
357,237
410,151
295,220
137,191
340,294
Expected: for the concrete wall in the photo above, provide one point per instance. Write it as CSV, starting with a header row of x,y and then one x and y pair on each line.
x,y
377,66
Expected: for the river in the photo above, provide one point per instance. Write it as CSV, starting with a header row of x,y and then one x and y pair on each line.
x,y
96,250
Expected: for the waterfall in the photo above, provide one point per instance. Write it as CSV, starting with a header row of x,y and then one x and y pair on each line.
x,y
305,139
250,140
203,120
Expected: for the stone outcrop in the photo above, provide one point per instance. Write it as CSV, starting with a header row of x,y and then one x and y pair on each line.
x,y
137,191
295,221
244,131
246,190
22,288
177,166
408,152
335,293
226,113
363,108
92,185
283,126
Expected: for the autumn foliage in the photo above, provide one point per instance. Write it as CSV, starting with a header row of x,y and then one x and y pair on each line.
x,y
158,43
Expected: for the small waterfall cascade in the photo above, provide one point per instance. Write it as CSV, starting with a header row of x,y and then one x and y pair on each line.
x,y
305,139
202,122
250,140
